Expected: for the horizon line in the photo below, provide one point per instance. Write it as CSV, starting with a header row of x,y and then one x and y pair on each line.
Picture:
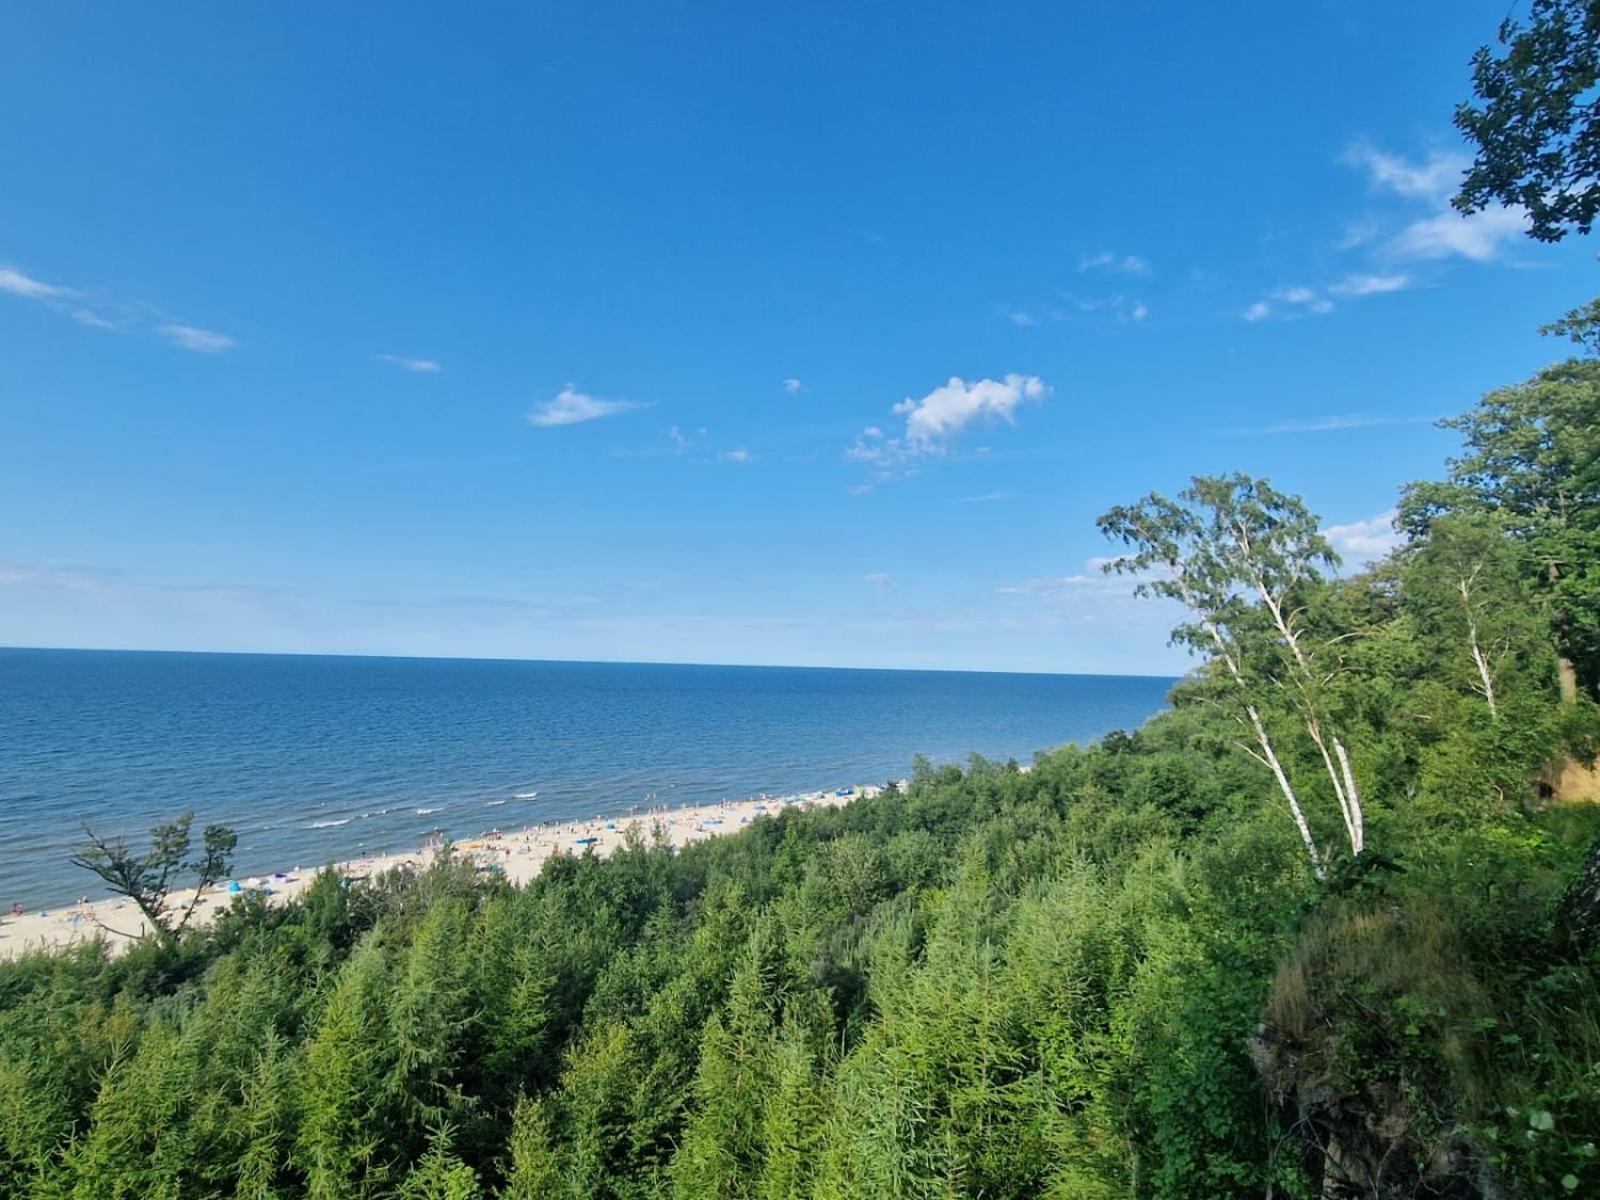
x,y
604,662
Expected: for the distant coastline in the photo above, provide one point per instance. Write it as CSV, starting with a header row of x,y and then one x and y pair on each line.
x,y
327,758
517,854
574,662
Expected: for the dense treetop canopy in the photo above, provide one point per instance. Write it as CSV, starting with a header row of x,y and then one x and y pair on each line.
x,y
1533,120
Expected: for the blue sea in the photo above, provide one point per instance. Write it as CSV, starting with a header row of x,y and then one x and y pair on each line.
x,y
314,759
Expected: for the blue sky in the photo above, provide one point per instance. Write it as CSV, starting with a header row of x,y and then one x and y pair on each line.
x,y
730,333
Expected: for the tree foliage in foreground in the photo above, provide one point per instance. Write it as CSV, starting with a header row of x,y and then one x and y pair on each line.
x,y
1118,973
1533,119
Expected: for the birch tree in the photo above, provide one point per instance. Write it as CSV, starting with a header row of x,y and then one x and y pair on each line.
x,y
1462,580
1270,547
1172,556
1532,463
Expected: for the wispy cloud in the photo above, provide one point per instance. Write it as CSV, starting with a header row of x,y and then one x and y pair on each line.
x,y
1356,234
1288,303
1124,308
1060,587
988,498
192,337
1128,309
572,407
1479,237
1091,594
878,580
793,386
95,309
741,455
424,366
1444,233
1421,227
1369,285
1334,423
29,288
93,320
1434,178
101,584
1366,540
1122,264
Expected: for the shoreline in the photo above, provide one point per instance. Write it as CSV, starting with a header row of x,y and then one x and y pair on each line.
x,y
518,854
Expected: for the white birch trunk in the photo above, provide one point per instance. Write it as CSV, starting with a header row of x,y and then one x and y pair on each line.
x,y
1271,759
1343,780
1485,675
1315,730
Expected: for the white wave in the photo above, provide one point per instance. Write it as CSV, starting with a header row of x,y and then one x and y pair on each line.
x,y
426,812
493,803
328,824
524,795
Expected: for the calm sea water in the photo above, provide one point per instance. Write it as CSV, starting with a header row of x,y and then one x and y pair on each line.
x,y
314,759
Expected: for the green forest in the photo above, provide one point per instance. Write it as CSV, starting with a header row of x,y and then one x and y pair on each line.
x,y
1328,926
1325,927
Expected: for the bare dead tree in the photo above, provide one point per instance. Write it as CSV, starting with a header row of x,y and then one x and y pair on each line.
x,y
148,877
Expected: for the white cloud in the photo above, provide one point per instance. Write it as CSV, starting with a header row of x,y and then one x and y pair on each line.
x,y
201,341
572,407
1303,297
939,416
110,312
741,455
878,580
1370,285
1434,179
28,288
1448,234
426,366
1444,233
793,386
1022,318
1363,541
1124,264
948,410
888,454
1138,312
1288,303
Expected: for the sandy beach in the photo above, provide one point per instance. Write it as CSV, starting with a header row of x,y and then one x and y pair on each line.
x,y
519,853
